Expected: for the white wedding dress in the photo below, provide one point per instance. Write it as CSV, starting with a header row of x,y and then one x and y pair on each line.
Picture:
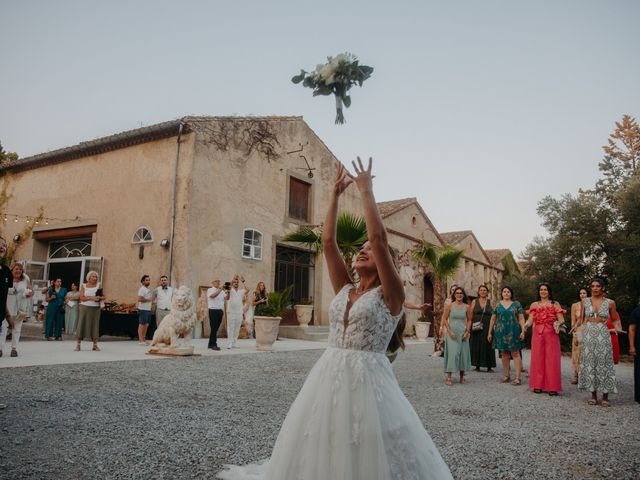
x,y
350,420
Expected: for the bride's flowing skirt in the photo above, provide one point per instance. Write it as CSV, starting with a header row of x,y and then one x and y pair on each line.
x,y
349,421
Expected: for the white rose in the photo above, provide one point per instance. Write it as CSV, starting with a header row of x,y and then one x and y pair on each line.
x,y
327,72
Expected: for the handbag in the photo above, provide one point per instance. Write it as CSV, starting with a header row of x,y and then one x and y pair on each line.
x,y
477,326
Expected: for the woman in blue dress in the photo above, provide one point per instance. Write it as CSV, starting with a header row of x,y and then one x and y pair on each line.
x,y
55,310
508,321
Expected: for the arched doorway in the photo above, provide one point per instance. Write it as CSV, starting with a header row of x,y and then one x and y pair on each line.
x,y
427,297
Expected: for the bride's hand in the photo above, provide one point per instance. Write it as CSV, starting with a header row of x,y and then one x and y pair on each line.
x,y
363,177
342,181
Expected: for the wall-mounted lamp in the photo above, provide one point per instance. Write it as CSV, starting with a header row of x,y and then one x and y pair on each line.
x,y
17,237
141,252
165,243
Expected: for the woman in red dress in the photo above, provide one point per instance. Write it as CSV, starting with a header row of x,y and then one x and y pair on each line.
x,y
547,316
611,325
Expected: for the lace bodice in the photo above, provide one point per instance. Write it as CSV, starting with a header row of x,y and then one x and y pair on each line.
x,y
371,324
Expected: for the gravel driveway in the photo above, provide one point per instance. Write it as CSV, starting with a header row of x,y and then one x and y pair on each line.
x,y
186,417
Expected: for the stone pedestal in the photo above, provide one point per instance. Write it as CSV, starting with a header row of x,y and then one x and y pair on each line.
x,y
173,352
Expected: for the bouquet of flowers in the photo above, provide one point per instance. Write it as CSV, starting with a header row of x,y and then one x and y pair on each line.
x,y
336,77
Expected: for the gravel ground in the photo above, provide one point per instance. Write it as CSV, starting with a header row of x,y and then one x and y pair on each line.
x,y
186,417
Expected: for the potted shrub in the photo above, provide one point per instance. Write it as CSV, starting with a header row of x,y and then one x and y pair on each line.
x,y
422,328
304,311
267,318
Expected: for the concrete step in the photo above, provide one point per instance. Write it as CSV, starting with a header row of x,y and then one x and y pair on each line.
x,y
313,333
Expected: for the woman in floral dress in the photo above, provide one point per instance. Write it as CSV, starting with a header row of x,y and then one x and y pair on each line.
x,y
508,321
597,373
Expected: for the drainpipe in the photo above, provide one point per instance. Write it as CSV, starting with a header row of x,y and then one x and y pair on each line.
x,y
173,201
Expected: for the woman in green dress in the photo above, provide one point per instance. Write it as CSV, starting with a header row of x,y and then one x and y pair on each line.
x,y
71,310
508,321
456,321
482,352
55,310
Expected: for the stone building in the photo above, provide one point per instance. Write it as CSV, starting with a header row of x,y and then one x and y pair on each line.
x,y
193,198
203,197
477,268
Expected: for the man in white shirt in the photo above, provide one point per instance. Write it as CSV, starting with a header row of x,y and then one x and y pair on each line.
x,y
235,307
145,296
163,297
216,297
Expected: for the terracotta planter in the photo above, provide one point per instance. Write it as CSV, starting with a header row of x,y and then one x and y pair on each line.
x,y
304,312
422,331
266,332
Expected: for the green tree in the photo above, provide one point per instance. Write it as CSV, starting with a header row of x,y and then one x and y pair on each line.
x,y
443,263
595,232
7,156
621,159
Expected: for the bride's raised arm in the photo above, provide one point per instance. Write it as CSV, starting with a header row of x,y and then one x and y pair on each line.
x,y
392,288
338,272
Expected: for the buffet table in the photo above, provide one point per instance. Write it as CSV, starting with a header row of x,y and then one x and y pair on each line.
x,y
123,325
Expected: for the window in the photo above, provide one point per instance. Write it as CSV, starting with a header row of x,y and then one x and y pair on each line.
x,y
70,248
142,235
252,244
299,196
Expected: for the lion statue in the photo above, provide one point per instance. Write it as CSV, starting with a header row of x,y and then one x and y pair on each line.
x,y
180,321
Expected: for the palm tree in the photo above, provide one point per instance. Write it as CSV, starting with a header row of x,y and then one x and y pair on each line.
x,y
351,234
443,263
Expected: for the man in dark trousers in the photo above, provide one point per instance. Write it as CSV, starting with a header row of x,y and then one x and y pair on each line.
x,y
6,282
216,297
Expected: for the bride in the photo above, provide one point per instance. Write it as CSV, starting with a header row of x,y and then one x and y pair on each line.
x,y
350,419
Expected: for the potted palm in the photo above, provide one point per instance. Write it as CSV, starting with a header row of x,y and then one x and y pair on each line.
x,y
267,318
443,262
351,235
304,311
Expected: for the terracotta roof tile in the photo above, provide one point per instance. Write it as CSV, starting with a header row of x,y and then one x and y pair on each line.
x,y
497,255
392,206
453,238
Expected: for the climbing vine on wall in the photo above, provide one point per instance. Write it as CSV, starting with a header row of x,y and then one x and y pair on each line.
x,y
247,135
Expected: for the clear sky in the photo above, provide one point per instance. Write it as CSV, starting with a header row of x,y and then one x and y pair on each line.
x,y
477,108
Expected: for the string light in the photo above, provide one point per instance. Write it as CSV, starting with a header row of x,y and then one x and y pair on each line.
x,y
36,219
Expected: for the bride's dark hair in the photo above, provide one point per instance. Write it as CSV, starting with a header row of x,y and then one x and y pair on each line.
x,y
397,342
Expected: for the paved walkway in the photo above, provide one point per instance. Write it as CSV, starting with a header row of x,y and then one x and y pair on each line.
x,y
39,352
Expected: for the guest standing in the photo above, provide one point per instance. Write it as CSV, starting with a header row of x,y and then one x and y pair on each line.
x,y
456,321
614,329
55,310
235,304
18,303
546,316
482,353
145,298
215,303
89,311
71,310
259,297
576,314
597,373
508,320
163,297
6,282
634,340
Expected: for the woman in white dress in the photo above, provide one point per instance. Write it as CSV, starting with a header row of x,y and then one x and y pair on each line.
x,y
18,306
350,420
